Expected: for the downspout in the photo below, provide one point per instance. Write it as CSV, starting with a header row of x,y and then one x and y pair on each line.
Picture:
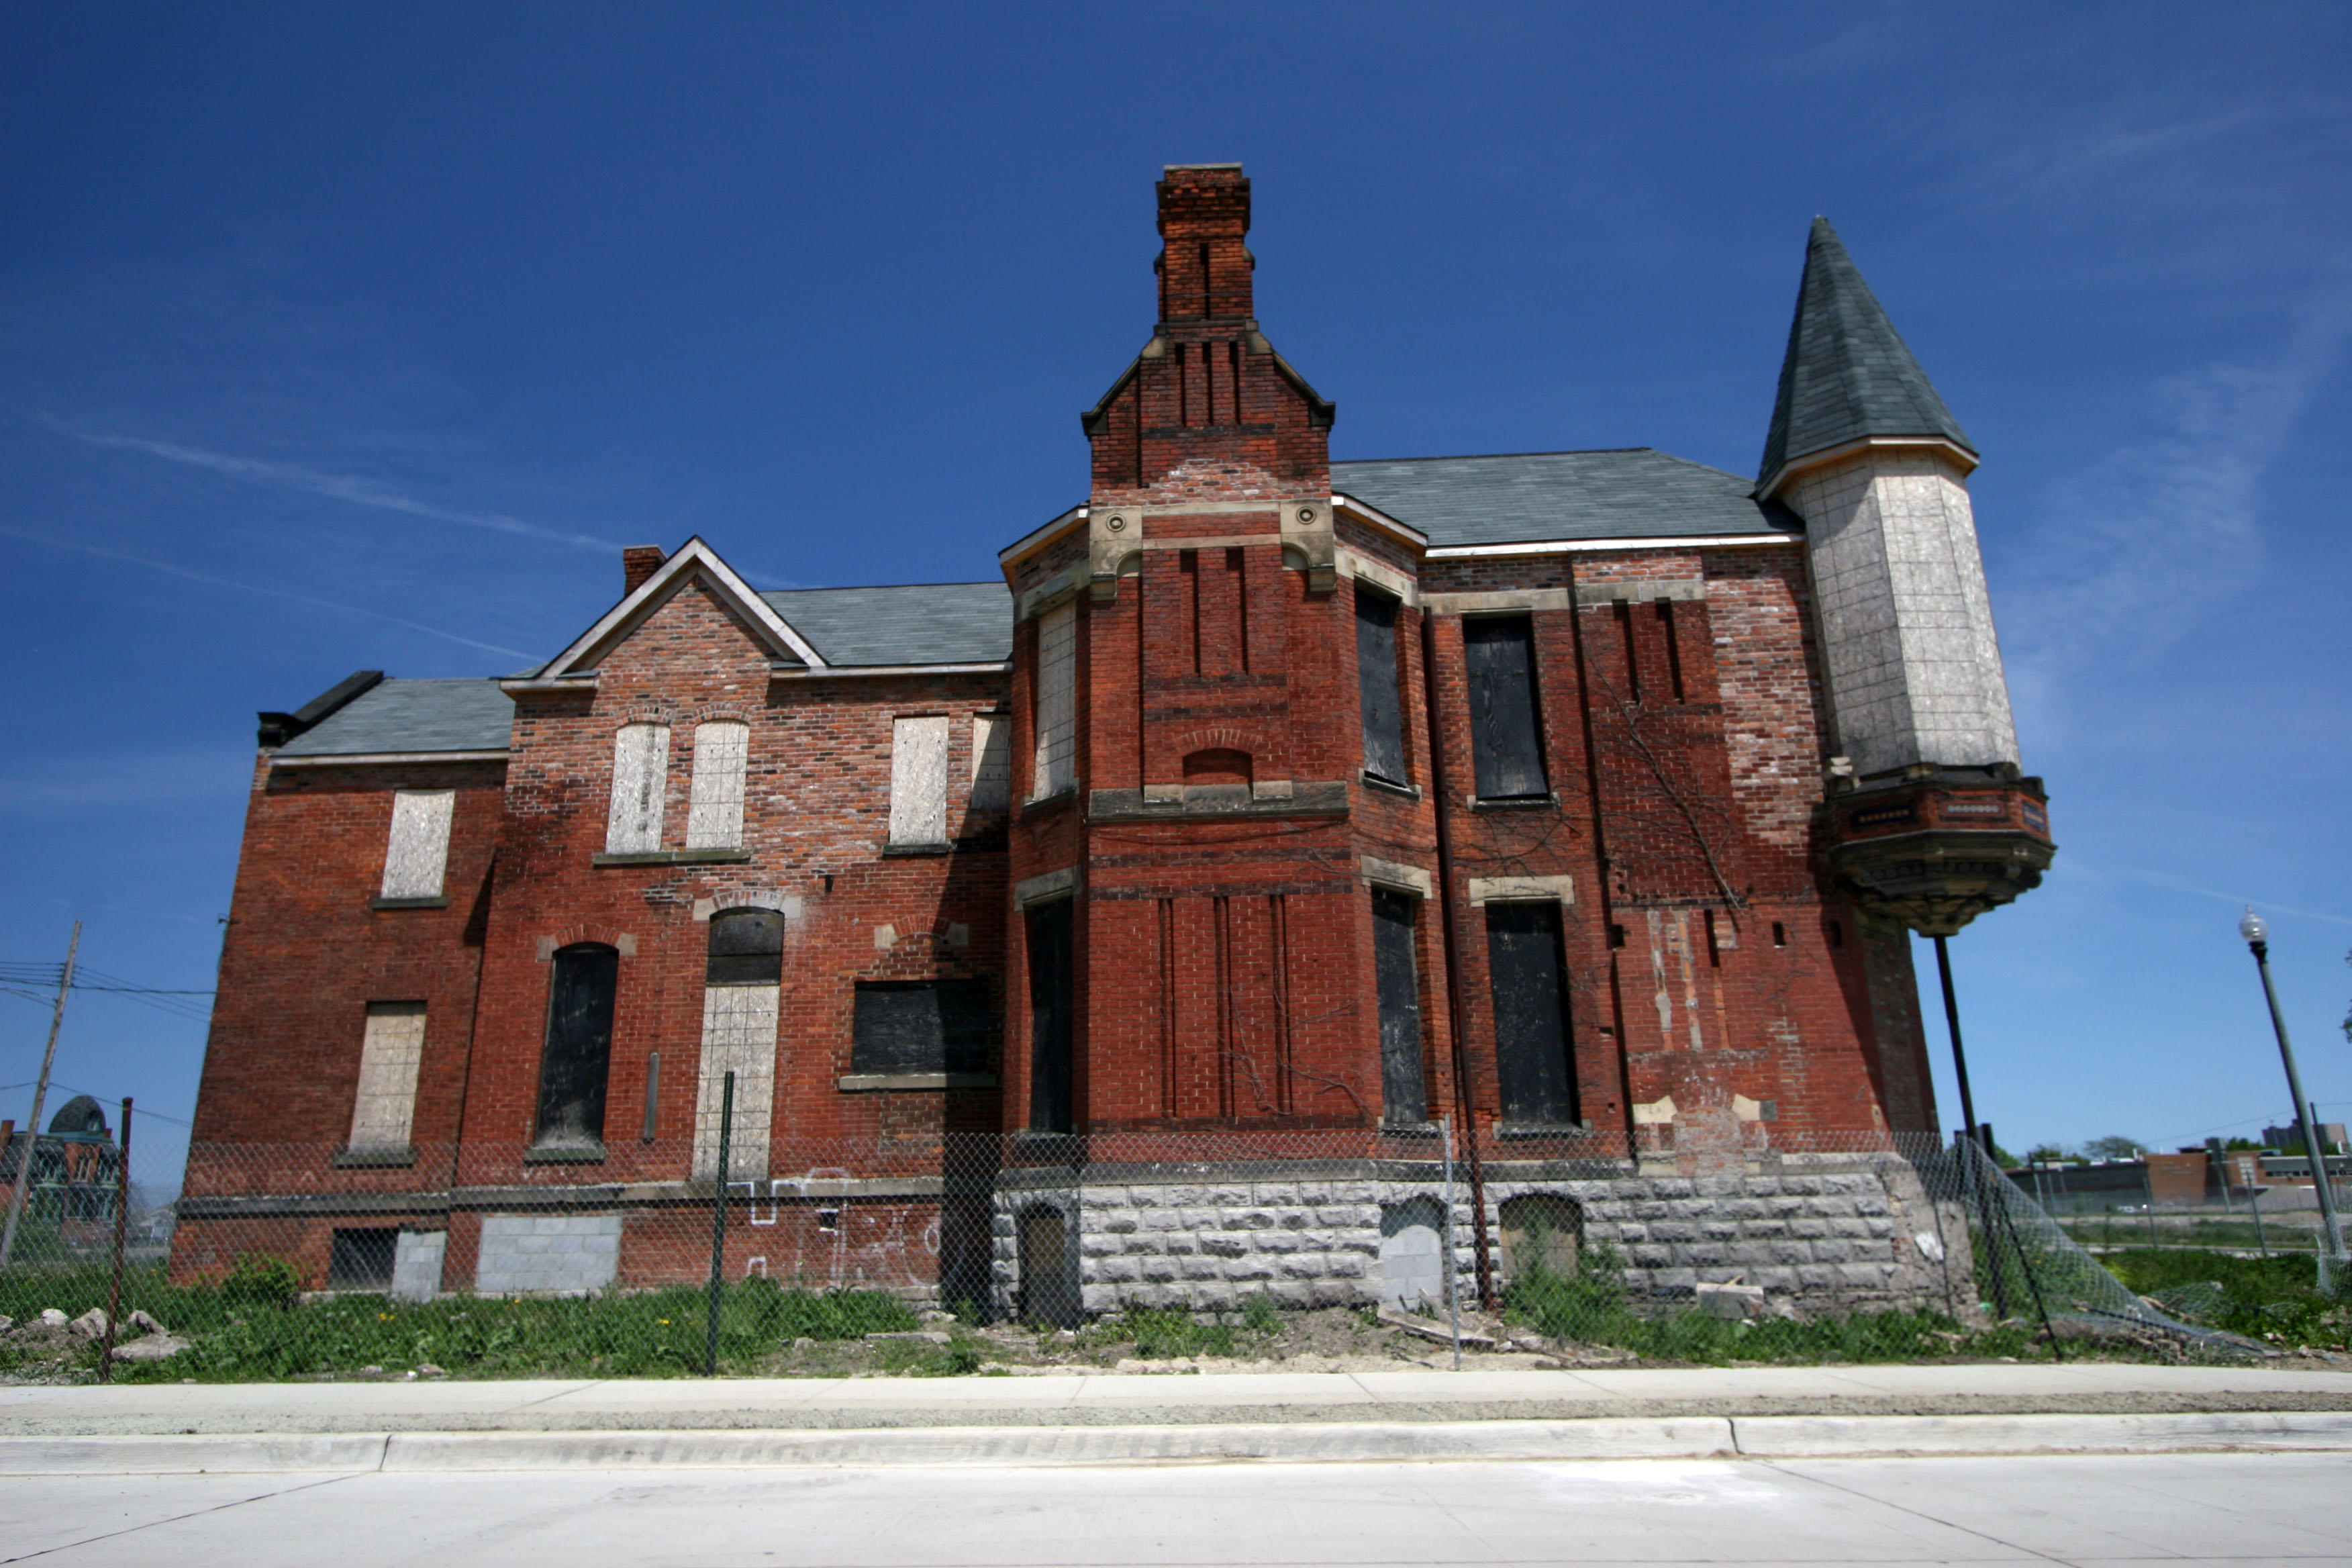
x,y
1463,1108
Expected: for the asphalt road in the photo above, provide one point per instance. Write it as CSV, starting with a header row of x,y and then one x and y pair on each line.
x,y
2236,1509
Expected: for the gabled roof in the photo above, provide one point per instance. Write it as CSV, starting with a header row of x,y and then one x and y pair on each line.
x,y
1847,375
915,623
405,717
695,562
1518,498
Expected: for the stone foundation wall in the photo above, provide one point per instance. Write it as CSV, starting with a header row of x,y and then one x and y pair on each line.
x,y
1821,1234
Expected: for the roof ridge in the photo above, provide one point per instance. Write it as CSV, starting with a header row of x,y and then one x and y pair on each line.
x,y
859,587
1462,456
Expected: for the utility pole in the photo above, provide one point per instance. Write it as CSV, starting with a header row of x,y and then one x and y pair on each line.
x,y
2331,1257
40,1093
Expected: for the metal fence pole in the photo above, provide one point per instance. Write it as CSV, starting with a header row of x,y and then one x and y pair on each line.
x,y
719,1227
121,1219
1453,1285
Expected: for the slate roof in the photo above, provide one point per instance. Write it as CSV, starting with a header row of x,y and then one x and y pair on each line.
x,y
470,715
1635,492
916,622
1847,373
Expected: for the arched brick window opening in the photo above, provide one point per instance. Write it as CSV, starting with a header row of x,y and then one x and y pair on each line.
x,y
1542,1236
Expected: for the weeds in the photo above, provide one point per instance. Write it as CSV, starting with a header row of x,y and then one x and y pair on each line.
x,y
2274,1299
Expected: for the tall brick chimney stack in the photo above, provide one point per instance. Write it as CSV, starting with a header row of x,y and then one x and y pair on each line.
x,y
639,561
1204,269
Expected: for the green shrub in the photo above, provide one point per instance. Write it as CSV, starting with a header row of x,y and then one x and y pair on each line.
x,y
261,1280
1260,1315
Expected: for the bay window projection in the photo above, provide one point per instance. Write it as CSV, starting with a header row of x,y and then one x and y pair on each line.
x,y
919,782
714,818
640,774
992,761
1056,764
417,856
742,978
390,1050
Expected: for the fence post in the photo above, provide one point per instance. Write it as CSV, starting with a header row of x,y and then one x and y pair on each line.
x,y
2254,1202
1453,1285
719,1227
121,1218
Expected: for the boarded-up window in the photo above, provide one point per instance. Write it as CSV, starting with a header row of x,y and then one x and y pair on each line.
x,y
1051,1026
1542,1235
360,1259
1057,767
390,1052
1530,993
919,781
640,772
418,853
921,1026
714,818
1505,737
571,1071
992,762
1376,680
746,948
1403,1095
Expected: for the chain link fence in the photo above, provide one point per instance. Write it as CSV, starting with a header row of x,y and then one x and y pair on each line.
x,y
969,1251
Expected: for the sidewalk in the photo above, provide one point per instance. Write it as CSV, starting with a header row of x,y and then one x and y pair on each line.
x,y
1114,1418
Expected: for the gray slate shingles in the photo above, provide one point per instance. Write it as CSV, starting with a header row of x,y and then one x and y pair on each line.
x,y
919,623
1523,498
470,715
1847,373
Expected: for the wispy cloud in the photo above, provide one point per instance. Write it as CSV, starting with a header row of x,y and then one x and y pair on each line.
x,y
345,487
2145,543
2239,899
73,783
212,580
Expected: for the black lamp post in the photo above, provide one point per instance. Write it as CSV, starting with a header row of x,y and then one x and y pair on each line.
x,y
2331,1260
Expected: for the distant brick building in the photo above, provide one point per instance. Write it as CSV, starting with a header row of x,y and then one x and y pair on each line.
x,y
1578,797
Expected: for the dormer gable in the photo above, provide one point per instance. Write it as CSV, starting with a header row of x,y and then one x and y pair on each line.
x,y
695,563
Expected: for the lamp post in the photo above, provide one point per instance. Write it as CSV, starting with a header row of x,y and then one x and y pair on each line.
x,y
2331,1258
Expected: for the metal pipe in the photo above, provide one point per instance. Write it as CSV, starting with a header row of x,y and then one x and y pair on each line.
x,y
121,1218
40,1093
1969,1122
1463,1099
718,1229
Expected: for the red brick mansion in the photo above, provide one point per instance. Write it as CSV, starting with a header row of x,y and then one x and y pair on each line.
x,y
1268,810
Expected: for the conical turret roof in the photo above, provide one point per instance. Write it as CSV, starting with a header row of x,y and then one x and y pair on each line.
x,y
1848,375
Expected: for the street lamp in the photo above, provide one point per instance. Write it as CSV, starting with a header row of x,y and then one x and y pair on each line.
x,y
2257,937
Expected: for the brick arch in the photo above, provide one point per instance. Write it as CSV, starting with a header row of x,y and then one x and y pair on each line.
x,y
711,713
623,943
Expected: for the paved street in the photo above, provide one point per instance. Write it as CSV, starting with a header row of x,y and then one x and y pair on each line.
x,y
2236,1509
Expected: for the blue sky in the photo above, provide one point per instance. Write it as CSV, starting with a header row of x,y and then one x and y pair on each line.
x,y
359,337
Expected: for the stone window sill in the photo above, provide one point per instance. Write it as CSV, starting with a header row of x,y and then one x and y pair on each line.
x,y
868,1082
1518,803
1390,786
1409,1130
894,851
565,1154
433,903
1543,1128
674,858
387,1157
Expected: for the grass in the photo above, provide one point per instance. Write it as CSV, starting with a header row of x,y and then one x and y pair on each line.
x,y
1590,1306
249,1329
2274,1299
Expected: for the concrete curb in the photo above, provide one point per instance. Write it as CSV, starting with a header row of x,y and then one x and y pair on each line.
x,y
1693,1437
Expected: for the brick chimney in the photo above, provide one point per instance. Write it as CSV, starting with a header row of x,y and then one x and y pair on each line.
x,y
639,561
1204,269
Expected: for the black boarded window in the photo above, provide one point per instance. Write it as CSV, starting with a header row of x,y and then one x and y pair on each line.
x,y
1506,739
1376,679
360,1259
921,1025
747,948
579,1045
1523,963
1404,1098
1052,998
